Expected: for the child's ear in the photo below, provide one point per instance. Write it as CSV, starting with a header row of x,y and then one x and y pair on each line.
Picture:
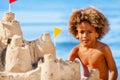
x,y
97,35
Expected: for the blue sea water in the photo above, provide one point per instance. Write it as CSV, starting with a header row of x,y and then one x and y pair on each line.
x,y
47,14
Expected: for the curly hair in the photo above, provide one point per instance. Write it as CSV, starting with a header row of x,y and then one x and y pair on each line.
x,y
91,15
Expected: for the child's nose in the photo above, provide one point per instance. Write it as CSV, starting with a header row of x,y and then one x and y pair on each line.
x,y
85,35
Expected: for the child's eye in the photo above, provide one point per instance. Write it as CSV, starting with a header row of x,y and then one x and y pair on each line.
x,y
89,31
82,32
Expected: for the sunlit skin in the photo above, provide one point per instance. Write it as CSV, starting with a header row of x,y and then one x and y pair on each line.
x,y
93,54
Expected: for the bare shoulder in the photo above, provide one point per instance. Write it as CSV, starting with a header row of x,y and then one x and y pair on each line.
x,y
104,47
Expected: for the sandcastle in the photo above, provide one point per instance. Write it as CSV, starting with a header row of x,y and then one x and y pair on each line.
x,y
32,60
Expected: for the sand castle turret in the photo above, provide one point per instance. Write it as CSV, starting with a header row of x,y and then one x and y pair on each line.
x,y
18,57
9,27
48,71
9,17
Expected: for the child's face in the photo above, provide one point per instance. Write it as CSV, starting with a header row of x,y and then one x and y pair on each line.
x,y
86,33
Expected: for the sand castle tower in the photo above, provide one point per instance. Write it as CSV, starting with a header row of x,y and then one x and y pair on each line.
x,y
18,57
9,27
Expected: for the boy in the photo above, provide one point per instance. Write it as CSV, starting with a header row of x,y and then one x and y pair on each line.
x,y
89,26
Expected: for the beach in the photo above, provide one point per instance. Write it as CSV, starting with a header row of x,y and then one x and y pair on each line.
x,y
46,15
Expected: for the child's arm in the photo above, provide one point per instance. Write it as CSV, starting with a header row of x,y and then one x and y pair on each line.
x,y
111,64
73,54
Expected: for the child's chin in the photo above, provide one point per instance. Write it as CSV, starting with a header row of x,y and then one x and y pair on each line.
x,y
85,44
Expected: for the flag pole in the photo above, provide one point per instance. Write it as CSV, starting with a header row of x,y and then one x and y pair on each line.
x,y
54,40
10,1
9,7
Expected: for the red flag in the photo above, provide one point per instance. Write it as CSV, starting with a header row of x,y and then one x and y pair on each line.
x,y
11,1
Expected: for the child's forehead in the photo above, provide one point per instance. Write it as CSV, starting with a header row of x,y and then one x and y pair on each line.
x,y
85,25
